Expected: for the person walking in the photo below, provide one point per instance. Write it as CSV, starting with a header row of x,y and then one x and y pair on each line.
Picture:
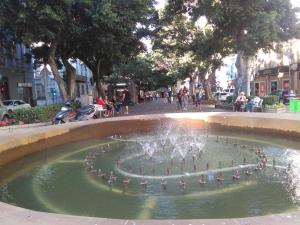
x,y
198,96
179,99
126,100
185,98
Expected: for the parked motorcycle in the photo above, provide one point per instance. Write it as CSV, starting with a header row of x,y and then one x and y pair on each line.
x,y
65,115
87,112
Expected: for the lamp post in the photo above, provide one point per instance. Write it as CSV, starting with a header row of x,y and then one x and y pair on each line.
x,y
45,83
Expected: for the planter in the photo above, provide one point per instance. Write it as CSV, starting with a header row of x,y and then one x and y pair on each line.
x,y
274,110
224,106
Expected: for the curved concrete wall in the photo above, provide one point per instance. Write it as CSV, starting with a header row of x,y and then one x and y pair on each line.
x,y
17,143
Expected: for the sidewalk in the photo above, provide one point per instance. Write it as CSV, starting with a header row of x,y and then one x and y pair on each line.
x,y
158,106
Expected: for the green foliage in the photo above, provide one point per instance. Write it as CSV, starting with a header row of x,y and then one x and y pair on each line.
x,y
115,35
230,99
251,25
36,114
99,33
275,106
270,100
249,98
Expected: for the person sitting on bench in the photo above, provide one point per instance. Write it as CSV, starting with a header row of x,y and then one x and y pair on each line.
x,y
240,101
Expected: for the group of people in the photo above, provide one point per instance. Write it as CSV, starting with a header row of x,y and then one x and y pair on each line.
x,y
183,97
242,102
115,104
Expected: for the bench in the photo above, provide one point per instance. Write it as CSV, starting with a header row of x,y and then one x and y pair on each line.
x,y
258,107
101,110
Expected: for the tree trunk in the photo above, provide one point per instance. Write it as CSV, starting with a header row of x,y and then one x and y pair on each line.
x,y
192,85
59,80
213,80
206,86
208,92
71,78
243,65
97,78
99,85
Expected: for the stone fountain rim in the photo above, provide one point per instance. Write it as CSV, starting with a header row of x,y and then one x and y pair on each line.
x,y
288,123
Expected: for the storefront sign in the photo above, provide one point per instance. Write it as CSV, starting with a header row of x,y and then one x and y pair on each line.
x,y
24,85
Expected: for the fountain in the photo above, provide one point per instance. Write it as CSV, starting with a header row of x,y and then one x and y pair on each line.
x,y
138,175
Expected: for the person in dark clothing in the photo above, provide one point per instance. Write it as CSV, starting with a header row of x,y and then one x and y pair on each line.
x,y
126,100
179,99
117,105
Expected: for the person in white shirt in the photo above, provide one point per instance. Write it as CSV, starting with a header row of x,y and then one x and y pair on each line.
x,y
240,100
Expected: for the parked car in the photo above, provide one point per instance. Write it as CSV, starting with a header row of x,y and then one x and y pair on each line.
x,y
11,105
221,96
230,91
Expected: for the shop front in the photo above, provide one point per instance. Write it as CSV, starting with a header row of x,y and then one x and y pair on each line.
x,y
269,81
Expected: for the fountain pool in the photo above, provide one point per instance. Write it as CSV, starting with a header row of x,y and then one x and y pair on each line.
x,y
140,176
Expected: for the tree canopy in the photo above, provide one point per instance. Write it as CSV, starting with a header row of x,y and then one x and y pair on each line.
x,y
247,25
100,33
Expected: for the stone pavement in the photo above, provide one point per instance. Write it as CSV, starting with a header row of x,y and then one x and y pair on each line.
x,y
159,107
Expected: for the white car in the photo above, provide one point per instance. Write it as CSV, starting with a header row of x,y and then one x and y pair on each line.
x,y
222,96
230,91
12,105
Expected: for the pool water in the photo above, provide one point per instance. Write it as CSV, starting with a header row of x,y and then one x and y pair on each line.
x,y
67,180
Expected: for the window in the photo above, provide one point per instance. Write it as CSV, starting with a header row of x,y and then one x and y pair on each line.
x,y
82,89
78,90
40,91
286,84
20,102
8,102
256,89
273,86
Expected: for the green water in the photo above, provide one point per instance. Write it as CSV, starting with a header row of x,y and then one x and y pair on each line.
x,y
57,180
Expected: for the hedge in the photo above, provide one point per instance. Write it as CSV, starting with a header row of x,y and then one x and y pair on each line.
x,y
36,114
271,100
230,99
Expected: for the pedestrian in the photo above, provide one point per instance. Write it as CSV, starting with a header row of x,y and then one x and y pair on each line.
x,y
179,99
185,98
126,100
199,94
170,97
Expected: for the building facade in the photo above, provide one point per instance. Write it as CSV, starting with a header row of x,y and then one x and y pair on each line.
x,y
20,80
278,70
47,91
16,74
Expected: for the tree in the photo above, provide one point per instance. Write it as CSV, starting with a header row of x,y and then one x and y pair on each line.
x,y
144,70
192,51
251,25
52,24
117,27
100,33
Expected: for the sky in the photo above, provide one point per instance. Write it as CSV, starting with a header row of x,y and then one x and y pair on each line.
x,y
295,3
161,3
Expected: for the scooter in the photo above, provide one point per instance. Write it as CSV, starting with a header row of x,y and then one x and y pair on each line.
x,y
87,112
65,115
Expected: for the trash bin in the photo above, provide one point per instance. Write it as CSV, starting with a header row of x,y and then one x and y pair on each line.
x,y
298,105
293,105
